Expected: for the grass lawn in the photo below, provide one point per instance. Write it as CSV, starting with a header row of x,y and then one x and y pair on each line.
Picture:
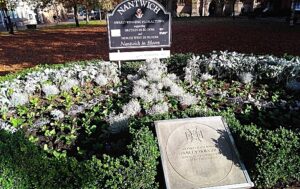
x,y
64,25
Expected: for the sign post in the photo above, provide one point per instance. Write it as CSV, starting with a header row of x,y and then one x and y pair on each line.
x,y
136,25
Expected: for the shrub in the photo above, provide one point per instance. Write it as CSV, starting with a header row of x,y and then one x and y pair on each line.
x,y
93,128
278,159
24,165
272,156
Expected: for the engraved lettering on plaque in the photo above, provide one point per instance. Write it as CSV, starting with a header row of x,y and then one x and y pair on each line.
x,y
193,155
193,134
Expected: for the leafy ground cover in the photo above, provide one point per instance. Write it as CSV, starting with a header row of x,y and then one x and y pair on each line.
x,y
52,45
84,125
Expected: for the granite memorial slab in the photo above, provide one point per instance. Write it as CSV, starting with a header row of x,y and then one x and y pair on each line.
x,y
200,153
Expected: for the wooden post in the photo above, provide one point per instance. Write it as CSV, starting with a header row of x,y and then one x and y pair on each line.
x,y
119,63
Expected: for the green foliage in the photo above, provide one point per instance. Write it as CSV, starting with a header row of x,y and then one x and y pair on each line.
x,y
24,165
177,62
272,156
289,57
22,73
131,67
2,3
107,5
268,139
278,158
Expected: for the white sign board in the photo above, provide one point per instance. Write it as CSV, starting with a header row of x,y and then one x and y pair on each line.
x,y
138,55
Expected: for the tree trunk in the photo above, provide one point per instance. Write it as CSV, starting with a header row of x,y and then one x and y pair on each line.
x,y
222,7
233,11
9,22
87,16
201,9
76,15
292,13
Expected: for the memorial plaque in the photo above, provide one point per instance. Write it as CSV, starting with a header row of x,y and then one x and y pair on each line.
x,y
139,24
200,153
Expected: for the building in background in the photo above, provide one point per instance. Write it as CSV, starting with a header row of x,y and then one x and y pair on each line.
x,y
228,7
25,14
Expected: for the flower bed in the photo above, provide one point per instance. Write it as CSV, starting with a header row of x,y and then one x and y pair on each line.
x,y
89,125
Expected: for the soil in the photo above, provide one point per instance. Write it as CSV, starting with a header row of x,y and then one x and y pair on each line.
x,y
196,35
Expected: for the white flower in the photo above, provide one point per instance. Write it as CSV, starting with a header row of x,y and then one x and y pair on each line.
x,y
153,88
153,75
7,127
41,122
246,77
30,87
132,108
176,90
83,75
142,93
48,71
92,71
50,90
19,99
159,86
266,104
188,75
142,83
57,114
153,70
152,61
69,84
76,109
158,96
172,76
192,69
250,98
3,97
188,99
139,91
91,103
194,60
132,77
116,80
109,69
206,76
101,80
119,122
148,97
167,82
223,94
158,109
